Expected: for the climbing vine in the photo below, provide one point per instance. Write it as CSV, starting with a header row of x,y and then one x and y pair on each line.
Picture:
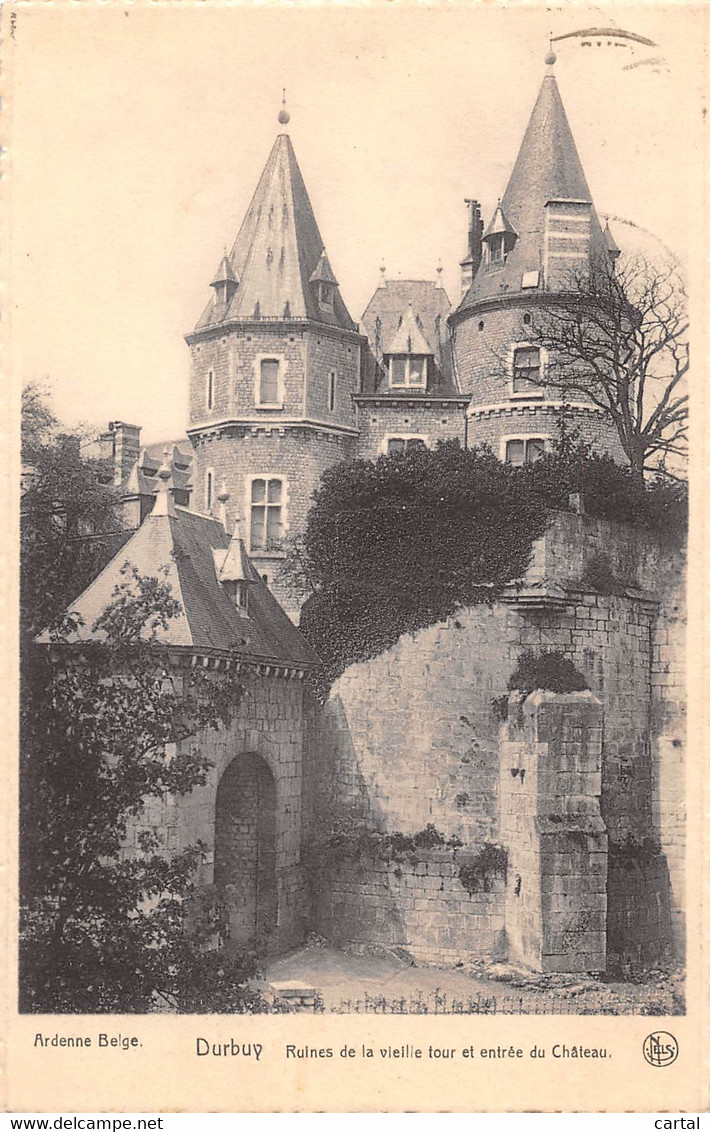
x,y
400,543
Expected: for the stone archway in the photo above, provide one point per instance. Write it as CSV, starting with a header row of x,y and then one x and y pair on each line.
x,y
245,852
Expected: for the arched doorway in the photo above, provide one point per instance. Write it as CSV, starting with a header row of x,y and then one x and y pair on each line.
x,y
245,851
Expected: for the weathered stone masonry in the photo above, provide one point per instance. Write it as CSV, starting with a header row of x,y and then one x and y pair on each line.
x,y
410,737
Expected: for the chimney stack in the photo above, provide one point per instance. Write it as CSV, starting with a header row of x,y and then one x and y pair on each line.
x,y
470,264
126,448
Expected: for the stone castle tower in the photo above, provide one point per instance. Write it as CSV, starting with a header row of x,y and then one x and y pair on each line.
x,y
283,383
275,361
544,231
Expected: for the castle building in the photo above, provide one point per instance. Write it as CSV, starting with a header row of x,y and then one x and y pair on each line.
x,y
574,804
284,384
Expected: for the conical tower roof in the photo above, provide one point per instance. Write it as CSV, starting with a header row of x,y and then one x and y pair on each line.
x,y
277,251
547,168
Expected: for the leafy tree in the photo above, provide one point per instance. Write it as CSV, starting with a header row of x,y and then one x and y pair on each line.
x,y
619,336
70,523
103,929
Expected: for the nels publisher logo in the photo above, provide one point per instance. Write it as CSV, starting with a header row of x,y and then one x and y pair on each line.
x,y
660,1048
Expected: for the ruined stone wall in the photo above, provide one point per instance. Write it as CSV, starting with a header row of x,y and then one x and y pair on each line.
x,y
417,903
411,737
551,825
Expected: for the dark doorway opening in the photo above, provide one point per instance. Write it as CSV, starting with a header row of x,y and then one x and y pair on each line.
x,y
245,852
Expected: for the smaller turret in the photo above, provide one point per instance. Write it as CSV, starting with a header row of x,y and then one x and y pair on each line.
x,y
225,281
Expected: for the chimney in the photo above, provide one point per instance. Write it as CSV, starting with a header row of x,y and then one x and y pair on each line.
x,y
470,264
126,449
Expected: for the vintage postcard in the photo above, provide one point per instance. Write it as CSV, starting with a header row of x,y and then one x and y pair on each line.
x,y
360,759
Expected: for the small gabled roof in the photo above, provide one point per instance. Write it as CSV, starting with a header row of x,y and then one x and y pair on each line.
x,y
323,272
184,543
233,564
409,337
225,273
498,224
277,251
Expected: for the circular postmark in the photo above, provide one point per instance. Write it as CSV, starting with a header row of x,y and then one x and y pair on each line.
x,y
660,1048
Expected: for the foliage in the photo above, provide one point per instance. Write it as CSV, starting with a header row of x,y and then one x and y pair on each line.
x,y
70,521
401,543
350,840
101,929
551,671
477,873
607,490
619,337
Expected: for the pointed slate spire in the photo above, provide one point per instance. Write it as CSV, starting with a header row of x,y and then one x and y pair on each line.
x,y
547,169
233,568
409,338
277,252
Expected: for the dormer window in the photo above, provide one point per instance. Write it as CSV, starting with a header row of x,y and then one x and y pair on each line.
x,y
499,239
326,296
496,248
408,371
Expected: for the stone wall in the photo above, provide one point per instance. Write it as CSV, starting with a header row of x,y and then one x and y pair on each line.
x,y
417,903
378,419
297,455
266,739
411,736
483,344
551,825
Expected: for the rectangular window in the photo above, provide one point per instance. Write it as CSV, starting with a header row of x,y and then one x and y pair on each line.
x,y
408,371
518,452
331,391
209,489
404,443
526,370
266,527
210,390
269,382
326,296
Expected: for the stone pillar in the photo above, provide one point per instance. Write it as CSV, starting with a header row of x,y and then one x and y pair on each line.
x,y
551,825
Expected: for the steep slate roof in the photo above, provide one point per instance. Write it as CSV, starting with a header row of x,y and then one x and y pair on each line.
x,y
391,304
143,478
207,620
408,338
277,251
547,168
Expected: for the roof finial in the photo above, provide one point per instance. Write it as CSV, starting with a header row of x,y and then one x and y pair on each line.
x,y
223,500
439,273
164,503
383,269
550,58
284,116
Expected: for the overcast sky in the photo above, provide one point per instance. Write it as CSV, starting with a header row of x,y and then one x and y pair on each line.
x,y
138,135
